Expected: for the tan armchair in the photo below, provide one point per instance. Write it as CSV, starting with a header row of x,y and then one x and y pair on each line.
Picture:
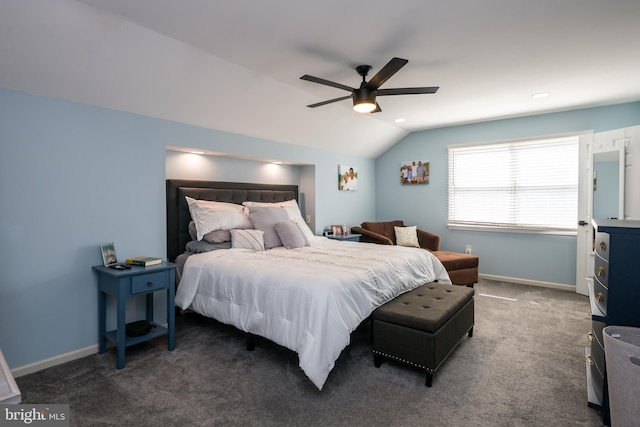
x,y
462,268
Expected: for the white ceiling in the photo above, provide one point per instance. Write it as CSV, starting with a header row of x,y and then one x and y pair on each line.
x,y
235,65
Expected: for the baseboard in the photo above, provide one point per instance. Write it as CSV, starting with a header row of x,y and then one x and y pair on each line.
x,y
53,361
59,360
563,287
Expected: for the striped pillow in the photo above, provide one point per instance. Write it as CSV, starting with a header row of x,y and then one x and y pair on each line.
x,y
247,239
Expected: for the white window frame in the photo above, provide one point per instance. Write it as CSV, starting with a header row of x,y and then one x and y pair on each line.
x,y
490,188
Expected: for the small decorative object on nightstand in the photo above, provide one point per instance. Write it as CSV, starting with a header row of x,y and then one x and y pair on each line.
x,y
122,284
346,237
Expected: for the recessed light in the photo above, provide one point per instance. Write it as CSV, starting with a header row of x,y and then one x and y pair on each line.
x,y
196,152
400,120
540,95
277,162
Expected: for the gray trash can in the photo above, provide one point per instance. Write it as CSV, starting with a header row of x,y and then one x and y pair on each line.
x,y
622,353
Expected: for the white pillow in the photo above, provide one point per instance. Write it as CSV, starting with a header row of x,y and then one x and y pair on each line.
x,y
209,216
286,204
248,239
407,236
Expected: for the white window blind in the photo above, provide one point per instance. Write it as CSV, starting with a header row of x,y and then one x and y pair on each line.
x,y
526,185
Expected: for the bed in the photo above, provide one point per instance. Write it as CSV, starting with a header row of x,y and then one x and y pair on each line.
x,y
308,297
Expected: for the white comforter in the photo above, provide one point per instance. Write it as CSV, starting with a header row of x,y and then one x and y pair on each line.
x,y
307,299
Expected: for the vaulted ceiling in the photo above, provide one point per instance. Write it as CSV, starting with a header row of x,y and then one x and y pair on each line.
x,y
236,65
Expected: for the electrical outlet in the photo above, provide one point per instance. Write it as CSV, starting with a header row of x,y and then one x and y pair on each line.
x,y
308,219
468,249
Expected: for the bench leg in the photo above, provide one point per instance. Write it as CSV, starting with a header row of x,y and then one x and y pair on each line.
x,y
377,360
429,380
251,343
471,332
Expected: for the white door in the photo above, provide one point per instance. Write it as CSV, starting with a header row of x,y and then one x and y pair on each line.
x,y
610,153
583,236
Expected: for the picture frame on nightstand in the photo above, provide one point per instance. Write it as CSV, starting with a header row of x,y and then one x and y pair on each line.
x,y
108,251
337,230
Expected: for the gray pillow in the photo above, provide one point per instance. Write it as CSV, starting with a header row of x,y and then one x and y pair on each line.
x,y
290,234
216,236
265,218
201,246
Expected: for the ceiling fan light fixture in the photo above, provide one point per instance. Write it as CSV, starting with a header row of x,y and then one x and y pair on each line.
x,y
364,100
364,107
364,97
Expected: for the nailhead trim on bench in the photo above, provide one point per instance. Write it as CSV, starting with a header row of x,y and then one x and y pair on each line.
x,y
400,359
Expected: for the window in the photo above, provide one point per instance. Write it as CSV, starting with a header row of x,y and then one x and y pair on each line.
x,y
523,186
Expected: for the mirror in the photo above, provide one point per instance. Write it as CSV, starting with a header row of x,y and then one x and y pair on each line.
x,y
607,175
606,185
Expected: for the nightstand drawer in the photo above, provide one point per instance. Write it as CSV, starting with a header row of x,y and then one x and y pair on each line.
x,y
149,282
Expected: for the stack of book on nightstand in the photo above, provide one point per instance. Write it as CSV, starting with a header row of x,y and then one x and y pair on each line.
x,y
143,261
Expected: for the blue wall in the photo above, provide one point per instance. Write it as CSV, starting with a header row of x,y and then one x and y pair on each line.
x,y
534,257
72,176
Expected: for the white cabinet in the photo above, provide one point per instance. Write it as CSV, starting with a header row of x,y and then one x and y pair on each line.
x,y
9,391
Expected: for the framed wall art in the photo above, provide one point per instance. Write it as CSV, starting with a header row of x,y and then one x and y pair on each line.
x,y
347,178
414,172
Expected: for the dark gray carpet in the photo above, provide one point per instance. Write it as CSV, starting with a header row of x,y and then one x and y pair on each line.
x,y
524,366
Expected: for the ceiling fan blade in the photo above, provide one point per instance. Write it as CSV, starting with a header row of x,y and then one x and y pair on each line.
x,y
326,82
378,109
319,104
385,73
407,91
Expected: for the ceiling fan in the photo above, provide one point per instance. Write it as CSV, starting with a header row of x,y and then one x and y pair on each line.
x,y
364,97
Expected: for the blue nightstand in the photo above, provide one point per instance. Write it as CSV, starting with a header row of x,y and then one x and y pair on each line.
x,y
347,238
122,284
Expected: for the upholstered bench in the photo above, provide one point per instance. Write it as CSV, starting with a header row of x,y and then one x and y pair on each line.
x,y
423,326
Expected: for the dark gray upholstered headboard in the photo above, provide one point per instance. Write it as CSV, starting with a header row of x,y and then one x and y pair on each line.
x,y
178,216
